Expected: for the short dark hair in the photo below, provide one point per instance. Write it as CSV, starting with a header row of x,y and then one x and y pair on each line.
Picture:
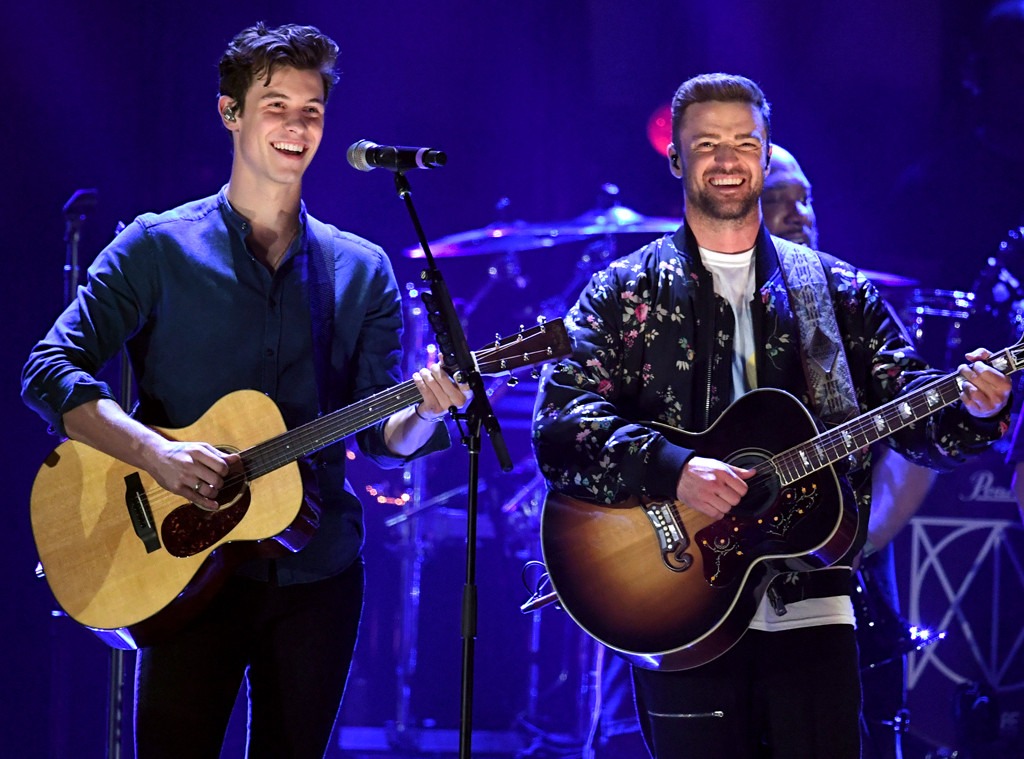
x,y
257,52
725,88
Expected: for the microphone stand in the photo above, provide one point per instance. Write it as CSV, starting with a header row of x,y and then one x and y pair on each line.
x,y
478,415
75,211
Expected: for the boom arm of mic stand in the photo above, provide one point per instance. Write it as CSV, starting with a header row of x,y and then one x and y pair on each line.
x,y
442,308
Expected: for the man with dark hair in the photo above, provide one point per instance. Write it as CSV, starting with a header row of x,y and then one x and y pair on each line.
x,y
673,334
246,290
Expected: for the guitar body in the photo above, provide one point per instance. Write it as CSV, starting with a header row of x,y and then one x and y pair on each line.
x,y
670,588
86,506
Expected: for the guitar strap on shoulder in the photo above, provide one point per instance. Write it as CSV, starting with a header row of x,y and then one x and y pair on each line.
x,y
320,275
829,381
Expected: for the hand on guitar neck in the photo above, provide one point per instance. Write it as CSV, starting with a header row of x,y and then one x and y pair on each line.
x,y
986,390
407,430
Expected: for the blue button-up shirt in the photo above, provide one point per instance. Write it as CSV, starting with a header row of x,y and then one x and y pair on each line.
x,y
201,317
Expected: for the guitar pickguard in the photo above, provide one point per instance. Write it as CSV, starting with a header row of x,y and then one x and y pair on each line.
x,y
729,545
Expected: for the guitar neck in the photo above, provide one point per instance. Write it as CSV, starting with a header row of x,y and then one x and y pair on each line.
x,y
846,439
529,347
327,430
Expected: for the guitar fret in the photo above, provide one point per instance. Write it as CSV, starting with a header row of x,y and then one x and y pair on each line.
x,y
845,440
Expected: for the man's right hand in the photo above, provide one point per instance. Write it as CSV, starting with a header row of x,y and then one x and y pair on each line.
x,y
712,487
195,471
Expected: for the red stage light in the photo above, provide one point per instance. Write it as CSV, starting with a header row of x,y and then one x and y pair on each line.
x,y
659,128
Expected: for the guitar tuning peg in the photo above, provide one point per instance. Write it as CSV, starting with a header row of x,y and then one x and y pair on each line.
x,y
535,373
542,319
497,337
512,381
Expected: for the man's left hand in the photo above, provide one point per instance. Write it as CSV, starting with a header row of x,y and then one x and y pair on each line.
x,y
985,391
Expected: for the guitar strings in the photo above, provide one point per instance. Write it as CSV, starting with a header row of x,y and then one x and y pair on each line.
x,y
833,442
267,456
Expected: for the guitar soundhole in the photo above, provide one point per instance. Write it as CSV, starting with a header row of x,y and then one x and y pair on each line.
x,y
763,488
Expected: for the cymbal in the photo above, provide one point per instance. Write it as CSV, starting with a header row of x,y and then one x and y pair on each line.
x,y
496,238
520,235
885,279
614,220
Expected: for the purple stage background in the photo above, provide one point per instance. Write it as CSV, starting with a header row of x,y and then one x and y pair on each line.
x,y
539,102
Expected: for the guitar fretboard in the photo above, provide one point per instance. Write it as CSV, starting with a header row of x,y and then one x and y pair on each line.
x,y
529,347
848,438
291,446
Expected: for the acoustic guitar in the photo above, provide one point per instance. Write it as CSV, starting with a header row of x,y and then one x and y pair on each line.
x,y
133,562
669,588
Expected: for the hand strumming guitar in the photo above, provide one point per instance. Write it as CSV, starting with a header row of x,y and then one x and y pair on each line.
x,y
712,487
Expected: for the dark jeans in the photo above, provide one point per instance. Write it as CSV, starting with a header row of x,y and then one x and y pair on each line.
x,y
293,644
789,695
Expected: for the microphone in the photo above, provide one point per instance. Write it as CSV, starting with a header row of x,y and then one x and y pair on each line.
x,y
367,156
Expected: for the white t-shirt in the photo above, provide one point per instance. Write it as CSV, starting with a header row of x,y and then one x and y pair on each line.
x,y
733,275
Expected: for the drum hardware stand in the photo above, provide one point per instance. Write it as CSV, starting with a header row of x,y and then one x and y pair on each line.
x,y
887,638
414,552
117,655
76,210
591,656
478,417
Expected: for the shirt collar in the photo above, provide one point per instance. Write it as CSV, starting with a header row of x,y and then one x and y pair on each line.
x,y
242,227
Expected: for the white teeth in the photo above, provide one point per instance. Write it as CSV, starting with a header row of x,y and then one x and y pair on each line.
x,y
288,147
726,181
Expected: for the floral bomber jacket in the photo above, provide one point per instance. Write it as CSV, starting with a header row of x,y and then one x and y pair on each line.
x,y
651,342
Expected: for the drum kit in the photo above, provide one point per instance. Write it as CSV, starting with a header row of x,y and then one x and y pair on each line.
x,y
938,320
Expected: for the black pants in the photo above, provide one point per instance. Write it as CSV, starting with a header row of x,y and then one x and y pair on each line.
x,y
789,695
293,644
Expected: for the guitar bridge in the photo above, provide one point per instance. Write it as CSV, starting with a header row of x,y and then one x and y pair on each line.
x,y
140,513
672,539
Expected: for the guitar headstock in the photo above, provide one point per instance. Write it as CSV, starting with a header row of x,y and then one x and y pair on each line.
x,y
529,347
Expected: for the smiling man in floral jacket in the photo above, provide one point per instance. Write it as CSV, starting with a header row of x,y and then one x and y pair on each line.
x,y
673,334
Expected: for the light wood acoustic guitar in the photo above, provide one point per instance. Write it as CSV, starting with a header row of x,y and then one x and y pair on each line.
x,y
133,562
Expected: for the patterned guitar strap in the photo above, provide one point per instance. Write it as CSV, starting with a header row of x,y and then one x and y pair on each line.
x,y
829,381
